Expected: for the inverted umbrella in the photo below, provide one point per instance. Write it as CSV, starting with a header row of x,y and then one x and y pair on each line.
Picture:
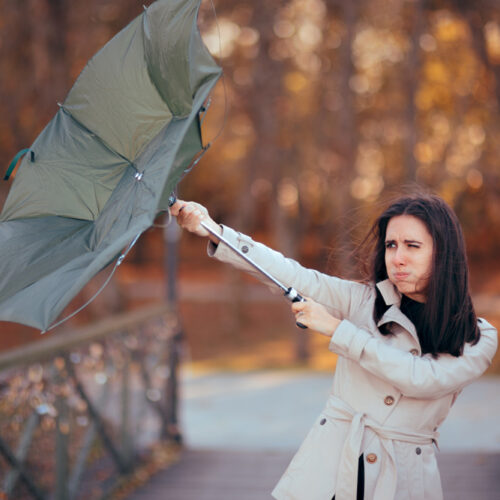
x,y
103,168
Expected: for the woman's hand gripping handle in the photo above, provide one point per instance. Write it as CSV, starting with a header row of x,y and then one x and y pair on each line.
x,y
190,215
294,296
310,314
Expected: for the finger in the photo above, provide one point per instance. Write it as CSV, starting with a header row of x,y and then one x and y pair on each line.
x,y
177,207
192,220
193,215
301,318
186,209
298,306
187,213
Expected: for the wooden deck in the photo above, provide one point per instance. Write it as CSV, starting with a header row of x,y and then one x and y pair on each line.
x,y
248,475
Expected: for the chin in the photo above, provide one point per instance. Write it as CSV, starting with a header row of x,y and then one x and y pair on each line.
x,y
411,293
406,289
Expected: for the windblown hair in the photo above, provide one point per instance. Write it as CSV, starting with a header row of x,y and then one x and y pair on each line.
x,y
449,319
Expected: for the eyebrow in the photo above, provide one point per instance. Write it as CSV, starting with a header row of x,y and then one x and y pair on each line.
x,y
405,241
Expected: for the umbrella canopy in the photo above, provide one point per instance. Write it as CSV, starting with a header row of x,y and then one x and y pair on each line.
x,y
106,164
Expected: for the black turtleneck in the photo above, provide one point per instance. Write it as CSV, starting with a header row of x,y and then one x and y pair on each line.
x,y
413,310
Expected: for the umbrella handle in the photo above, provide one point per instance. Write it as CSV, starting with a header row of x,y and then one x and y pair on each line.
x,y
294,296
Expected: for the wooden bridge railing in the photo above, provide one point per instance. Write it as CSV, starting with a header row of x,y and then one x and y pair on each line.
x,y
78,409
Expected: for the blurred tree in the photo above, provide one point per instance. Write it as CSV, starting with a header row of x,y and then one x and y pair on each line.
x,y
332,105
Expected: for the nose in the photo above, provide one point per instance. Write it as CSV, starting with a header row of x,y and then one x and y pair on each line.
x,y
399,256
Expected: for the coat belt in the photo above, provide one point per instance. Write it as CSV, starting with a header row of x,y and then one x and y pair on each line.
x,y
347,477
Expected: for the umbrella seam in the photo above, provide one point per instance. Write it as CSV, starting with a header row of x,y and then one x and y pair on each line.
x,y
99,138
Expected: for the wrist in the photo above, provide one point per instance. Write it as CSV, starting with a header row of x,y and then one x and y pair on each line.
x,y
328,328
333,326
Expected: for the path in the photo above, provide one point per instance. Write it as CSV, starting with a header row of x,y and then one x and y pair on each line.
x,y
251,475
241,430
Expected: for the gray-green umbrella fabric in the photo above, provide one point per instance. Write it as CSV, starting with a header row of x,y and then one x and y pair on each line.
x,y
105,165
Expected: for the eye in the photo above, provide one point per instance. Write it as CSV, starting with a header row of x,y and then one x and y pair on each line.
x,y
390,244
413,245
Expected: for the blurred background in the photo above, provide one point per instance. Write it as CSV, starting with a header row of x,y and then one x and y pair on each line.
x,y
327,109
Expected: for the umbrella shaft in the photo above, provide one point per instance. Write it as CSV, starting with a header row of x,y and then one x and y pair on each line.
x,y
290,292
245,258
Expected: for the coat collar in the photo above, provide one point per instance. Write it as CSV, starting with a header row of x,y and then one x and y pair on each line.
x,y
392,298
389,292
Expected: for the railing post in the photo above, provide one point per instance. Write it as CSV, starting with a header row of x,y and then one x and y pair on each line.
x,y
88,440
23,474
22,451
122,465
171,236
62,435
125,434
171,428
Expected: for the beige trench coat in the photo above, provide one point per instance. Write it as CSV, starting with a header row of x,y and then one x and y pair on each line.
x,y
387,400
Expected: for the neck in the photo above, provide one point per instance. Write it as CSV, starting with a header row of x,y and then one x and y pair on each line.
x,y
417,297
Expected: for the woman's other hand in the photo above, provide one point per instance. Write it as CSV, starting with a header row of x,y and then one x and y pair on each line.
x,y
315,316
190,215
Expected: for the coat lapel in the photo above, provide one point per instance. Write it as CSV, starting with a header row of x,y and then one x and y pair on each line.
x,y
392,298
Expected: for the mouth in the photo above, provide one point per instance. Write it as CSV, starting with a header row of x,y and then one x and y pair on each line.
x,y
401,276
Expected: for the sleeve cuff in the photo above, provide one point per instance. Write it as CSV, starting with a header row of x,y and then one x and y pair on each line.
x,y
217,250
211,248
349,341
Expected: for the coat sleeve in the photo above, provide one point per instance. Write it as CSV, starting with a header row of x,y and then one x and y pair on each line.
x,y
340,297
417,377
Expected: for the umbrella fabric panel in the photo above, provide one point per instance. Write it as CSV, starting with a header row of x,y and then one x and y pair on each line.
x,y
166,158
129,210
191,142
135,201
51,258
73,174
38,304
51,294
34,248
63,247
48,260
178,61
115,98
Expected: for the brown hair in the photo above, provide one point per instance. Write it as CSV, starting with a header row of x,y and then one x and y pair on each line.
x,y
449,319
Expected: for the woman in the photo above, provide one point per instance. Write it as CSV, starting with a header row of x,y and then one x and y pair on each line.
x,y
408,342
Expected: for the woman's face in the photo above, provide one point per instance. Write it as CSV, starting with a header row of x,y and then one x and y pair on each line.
x,y
408,255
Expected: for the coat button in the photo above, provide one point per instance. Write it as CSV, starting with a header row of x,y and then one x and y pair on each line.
x,y
244,249
414,352
322,421
371,458
418,451
389,400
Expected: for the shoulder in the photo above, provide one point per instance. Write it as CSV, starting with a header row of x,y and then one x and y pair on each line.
x,y
488,341
363,296
487,331
367,291
485,326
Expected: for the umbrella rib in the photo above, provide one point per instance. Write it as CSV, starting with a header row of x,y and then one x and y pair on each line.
x,y
118,262
86,129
